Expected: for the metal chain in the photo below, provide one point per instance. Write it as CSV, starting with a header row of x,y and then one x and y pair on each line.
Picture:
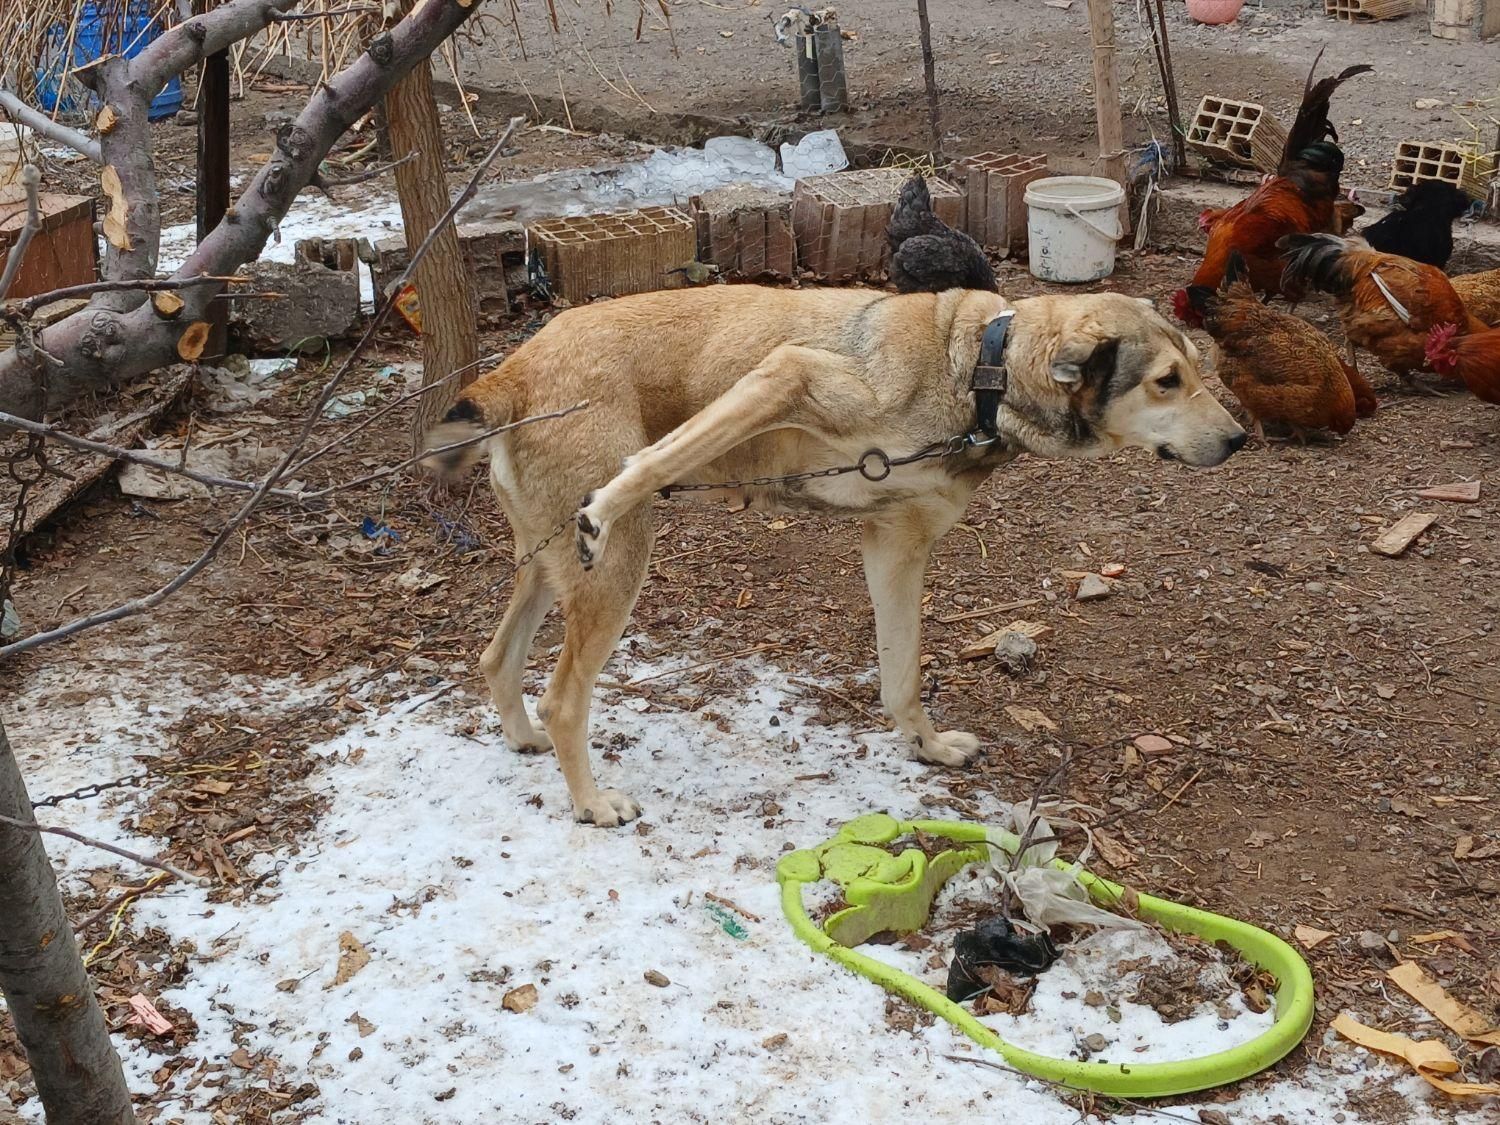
x,y
89,792
874,465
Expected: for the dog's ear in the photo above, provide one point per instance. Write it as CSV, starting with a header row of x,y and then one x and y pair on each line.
x,y
1085,362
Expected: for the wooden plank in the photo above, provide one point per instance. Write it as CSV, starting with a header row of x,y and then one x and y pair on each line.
x,y
1395,539
213,180
1461,492
86,469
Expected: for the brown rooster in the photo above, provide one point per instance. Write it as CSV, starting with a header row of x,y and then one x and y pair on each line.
x,y
1473,356
1481,294
1388,305
1299,199
1282,369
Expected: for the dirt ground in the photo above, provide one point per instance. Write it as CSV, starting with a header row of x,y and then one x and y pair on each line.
x,y
1012,74
1335,713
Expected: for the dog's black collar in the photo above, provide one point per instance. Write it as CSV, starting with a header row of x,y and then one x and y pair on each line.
x,y
990,379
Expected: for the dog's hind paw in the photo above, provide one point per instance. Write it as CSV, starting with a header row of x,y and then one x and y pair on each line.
x,y
538,742
593,531
951,748
608,808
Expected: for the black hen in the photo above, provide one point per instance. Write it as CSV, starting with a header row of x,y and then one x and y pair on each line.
x,y
929,256
1421,225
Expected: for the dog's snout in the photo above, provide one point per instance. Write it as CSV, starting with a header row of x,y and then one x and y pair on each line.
x,y
1237,442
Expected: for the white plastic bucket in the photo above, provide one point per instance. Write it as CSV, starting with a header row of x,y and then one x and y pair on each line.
x,y
1073,223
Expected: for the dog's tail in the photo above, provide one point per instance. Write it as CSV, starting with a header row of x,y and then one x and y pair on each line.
x,y
485,404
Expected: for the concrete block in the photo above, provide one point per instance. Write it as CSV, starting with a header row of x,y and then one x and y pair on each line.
x,y
315,304
591,256
839,220
1231,132
1461,165
746,231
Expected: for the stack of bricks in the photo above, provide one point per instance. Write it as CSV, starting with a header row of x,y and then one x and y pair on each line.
x,y
494,253
746,231
614,255
1442,160
840,220
995,196
1231,132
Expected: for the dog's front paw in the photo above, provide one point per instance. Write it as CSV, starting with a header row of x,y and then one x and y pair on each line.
x,y
951,748
608,808
593,530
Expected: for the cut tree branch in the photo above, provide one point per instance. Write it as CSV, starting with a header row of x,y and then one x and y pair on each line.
x,y
99,346
18,111
309,421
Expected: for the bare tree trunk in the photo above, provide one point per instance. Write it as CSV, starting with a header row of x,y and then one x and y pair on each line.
x,y
50,996
929,78
450,336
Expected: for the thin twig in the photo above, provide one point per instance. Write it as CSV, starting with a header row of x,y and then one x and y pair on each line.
x,y
129,896
293,17
369,173
1064,1088
344,438
392,470
227,532
145,861
140,285
31,180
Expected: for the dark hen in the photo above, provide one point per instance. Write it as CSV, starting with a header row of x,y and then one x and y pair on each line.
x,y
929,256
1420,227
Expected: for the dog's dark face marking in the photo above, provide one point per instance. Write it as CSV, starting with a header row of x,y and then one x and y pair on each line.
x,y
464,410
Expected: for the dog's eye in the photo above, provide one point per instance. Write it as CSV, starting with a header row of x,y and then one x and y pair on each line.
x,y
1170,381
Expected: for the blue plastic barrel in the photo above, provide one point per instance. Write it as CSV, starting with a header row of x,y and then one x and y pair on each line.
x,y
113,27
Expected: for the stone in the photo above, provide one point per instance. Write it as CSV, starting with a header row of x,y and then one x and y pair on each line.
x,y
316,304
1014,652
1092,588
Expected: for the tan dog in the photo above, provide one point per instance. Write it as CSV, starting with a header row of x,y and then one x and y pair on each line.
x,y
735,382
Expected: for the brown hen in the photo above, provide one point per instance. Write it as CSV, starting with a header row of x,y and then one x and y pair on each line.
x,y
1388,305
1282,369
1481,294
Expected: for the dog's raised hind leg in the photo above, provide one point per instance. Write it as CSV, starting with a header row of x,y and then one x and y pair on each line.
x,y
787,389
895,554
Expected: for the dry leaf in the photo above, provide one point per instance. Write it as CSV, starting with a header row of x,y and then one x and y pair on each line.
x,y
1467,848
1453,936
241,1058
1114,853
520,1000
1259,839
1029,718
362,1025
1431,1059
115,228
1310,936
353,957
1410,979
